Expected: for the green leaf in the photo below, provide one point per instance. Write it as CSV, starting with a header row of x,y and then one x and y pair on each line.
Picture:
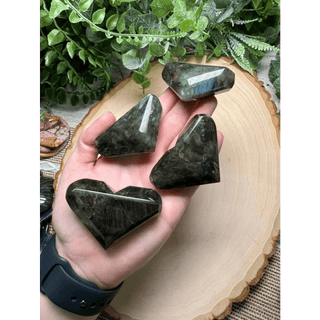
x,y
132,29
195,35
82,55
57,6
63,80
121,25
138,78
92,61
222,3
178,51
225,14
145,84
61,95
54,79
61,67
74,100
71,49
44,75
112,21
98,63
43,43
130,16
117,55
166,58
276,84
180,8
256,3
132,59
84,39
211,9
44,19
49,93
99,73
50,56
98,16
84,5
217,51
147,21
160,8
95,36
92,96
156,49
200,49
55,36
77,28
271,34
186,25
274,71
74,18
85,99
238,5
70,74
202,23
172,22
199,10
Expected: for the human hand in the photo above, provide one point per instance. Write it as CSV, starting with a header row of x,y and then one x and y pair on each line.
x,y
108,268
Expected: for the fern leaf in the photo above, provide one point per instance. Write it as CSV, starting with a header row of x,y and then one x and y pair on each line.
x,y
241,22
240,59
244,63
236,46
255,42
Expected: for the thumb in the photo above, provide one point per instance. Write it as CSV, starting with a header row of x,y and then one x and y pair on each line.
x,y
85,151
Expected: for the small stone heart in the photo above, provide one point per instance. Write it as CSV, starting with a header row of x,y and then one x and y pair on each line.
x,y
193,161
109,215
135,132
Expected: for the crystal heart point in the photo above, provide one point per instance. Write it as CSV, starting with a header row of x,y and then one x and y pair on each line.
x,y
194,160
135,132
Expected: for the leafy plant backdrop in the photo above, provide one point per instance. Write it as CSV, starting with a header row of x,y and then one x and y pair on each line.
x,y
81,40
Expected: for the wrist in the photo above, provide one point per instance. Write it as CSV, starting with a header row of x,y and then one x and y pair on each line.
x,y
50,311
66,289
83,269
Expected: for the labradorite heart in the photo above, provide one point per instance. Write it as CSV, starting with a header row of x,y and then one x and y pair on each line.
x,y
109,215
194,160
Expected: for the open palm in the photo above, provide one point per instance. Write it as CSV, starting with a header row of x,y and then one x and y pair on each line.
x,y
108,268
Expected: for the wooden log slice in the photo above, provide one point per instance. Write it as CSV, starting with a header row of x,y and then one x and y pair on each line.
x,y
221,245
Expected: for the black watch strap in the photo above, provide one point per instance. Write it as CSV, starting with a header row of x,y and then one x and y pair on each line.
x,y
66,289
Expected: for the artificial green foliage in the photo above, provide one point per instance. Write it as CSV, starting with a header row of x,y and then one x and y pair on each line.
x,y
81,40
274,74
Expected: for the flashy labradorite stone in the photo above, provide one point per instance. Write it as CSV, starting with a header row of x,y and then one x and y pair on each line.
x,y
108,215
134,132
193,161
194,81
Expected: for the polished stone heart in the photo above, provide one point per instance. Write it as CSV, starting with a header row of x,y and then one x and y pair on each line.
x,y
108,215
193,161
194,81
135,132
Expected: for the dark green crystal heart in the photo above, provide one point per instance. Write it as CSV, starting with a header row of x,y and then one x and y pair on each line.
x,y
135,132
193,161
194,81
108,215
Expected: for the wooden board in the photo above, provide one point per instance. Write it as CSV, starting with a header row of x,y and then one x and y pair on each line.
x,y
222,244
